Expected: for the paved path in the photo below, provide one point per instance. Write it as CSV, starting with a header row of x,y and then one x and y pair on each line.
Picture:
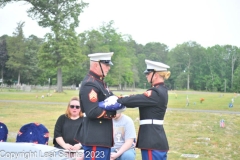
x,y
169,109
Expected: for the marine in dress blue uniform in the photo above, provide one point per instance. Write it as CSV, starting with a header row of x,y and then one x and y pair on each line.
x,y
97,128
152,104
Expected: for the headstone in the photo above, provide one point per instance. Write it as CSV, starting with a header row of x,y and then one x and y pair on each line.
x,y
27,88
190,155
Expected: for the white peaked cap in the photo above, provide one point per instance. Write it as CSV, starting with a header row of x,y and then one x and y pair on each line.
x,y
155,66
100,56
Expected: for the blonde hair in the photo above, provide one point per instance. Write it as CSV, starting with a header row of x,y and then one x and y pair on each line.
x,y
165,74
68,114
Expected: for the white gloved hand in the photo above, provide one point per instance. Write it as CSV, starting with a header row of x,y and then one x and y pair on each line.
x,y
111,100
110,104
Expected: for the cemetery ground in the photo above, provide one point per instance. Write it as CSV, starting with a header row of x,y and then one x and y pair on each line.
x,y
193,130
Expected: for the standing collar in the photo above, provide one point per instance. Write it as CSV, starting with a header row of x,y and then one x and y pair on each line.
x,y
157,84
91,73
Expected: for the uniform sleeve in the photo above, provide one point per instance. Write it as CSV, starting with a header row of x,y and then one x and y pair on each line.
x,y
148,98
89,97
58,127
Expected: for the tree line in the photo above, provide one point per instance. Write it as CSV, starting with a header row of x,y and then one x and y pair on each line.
x,y
61,55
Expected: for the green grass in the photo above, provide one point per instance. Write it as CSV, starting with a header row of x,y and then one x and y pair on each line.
x,y
187,132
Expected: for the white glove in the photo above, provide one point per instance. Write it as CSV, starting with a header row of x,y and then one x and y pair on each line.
x,y
111,100
110,104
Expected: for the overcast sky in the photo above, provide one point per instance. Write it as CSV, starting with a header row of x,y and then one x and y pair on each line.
x,y
172,22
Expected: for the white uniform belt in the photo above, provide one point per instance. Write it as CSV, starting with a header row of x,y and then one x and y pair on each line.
x,y
84,115
151,121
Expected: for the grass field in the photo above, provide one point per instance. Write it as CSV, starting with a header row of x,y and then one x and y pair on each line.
x,y
188,132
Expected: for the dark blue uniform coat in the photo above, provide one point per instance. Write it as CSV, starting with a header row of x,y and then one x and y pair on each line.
x,y
152,105
97,127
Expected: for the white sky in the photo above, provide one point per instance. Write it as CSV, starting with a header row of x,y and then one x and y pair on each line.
x,y
172,22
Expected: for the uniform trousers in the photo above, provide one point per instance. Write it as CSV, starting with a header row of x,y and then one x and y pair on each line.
x,y
153,155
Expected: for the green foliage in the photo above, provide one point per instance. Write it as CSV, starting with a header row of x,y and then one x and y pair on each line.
x,y
3,58
61,46
156,52
141,68
62,55
32,70
106,39
16,51
3,51
236,86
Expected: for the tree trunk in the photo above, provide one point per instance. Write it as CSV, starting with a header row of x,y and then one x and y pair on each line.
x,y
225,85
18,78
2,75
119,86
188,72
188,81
233,62
232,74
59,80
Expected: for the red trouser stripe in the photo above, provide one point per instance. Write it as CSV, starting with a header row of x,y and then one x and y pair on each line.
x,y
149,155
94,148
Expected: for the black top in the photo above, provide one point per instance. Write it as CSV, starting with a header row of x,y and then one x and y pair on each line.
x,y
152,105
66,128
97,129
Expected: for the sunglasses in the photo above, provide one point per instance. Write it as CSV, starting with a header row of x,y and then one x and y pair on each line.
x,y
148,73
72,106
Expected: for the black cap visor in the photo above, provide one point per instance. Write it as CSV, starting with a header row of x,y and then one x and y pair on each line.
x,y
147,71
107,62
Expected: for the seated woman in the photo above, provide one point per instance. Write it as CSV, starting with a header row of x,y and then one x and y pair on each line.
x,y
67,125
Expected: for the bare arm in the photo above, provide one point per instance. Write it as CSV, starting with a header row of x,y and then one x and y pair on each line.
x,y
61,142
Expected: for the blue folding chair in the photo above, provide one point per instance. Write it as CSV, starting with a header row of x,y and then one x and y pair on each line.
x,y
3,132
33,133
